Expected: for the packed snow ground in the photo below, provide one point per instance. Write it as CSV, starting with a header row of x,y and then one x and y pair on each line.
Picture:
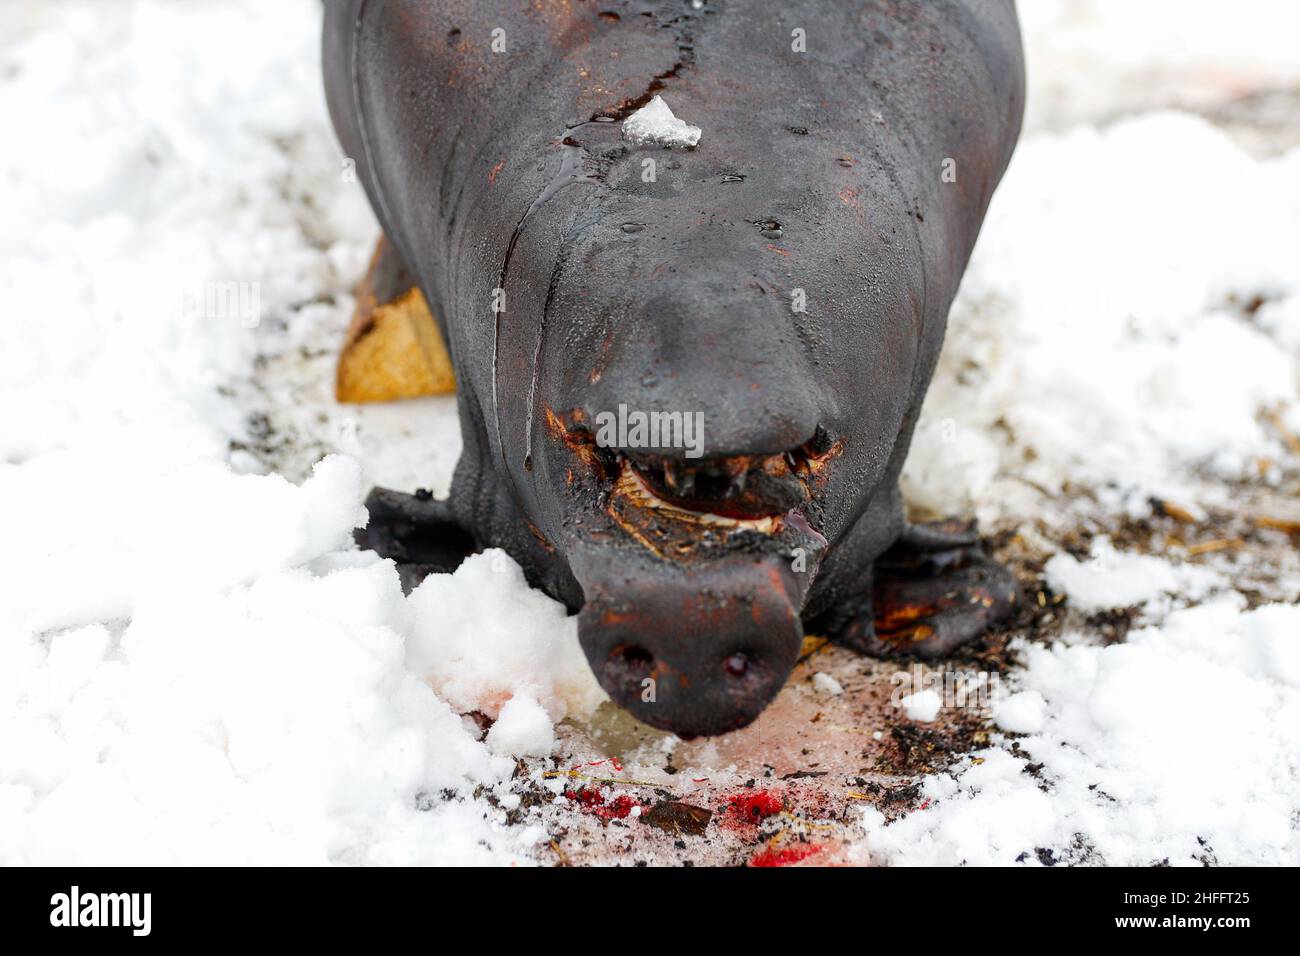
x,y
196,666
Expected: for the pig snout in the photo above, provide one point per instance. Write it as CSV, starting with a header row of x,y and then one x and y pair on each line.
x,y
699,655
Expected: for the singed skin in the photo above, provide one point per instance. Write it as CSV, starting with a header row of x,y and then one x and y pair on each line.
x,y
819,178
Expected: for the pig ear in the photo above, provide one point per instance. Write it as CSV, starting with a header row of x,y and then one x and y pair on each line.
x,y
418,532
394,348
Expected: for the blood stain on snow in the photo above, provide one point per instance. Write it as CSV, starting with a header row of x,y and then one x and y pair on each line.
x,y
754,807
594,802
784,856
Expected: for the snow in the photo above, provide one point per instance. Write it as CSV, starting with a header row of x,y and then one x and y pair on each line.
x,y
826,684
1180,743
197,666
1120,324
523,729
1021,713
1100,356
923,706
529,644
1115,579
248,701
655,124
1094,59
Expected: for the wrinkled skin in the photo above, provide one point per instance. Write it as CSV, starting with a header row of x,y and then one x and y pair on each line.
x,y
819,171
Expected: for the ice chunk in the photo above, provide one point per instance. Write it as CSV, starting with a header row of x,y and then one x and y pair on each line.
x,y
655,123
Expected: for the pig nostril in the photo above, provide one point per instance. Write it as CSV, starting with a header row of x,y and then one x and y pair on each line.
x,y
737,665
629,662
637,656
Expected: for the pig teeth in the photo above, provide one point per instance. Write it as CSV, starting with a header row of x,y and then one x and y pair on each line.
x,y
737,485
632,486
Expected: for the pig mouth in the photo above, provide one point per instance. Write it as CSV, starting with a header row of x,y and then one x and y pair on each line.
x,y
739,487
739,493
636,489
669,501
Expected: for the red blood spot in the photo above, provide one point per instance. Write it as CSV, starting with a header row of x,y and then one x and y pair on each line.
x,y
620,808
755,806
784,856
594,802
586,797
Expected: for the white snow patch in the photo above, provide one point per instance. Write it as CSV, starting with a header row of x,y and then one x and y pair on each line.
x,y
1093,59
655,123
1180,744
1067,390
1093,343
523,729
1021,713
923,706
826,684
196,665
1115,579
479,654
